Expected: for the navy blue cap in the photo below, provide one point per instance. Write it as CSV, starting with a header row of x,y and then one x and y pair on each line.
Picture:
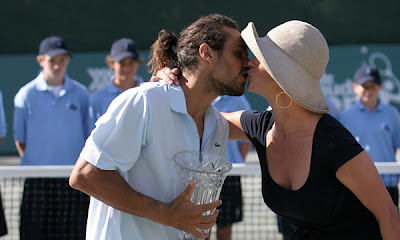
x,y
367,73
53,46
123,48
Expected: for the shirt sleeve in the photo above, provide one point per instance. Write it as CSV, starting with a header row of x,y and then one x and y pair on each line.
x,y
20,116
94,110
86,114
396,128
119,135
337,145
255,125
3,124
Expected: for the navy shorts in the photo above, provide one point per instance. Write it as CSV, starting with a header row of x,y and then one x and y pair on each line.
x,y
230,210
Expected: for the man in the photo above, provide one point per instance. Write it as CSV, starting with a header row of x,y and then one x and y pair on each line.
x,y
50,128
375,125
126,164
124,60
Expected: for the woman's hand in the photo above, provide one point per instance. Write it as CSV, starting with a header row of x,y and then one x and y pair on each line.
x,y
168,75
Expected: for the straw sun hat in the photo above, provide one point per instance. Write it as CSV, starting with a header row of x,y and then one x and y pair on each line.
x,y
295,54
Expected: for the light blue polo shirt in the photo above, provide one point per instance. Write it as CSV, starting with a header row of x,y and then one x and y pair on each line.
x,y
334,112
378,132
3,124
54,128
138,136
227,103
102,98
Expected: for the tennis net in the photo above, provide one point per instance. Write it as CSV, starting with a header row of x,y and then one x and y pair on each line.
x,y
258,222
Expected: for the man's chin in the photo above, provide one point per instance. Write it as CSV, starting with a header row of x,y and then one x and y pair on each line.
x,y
237,92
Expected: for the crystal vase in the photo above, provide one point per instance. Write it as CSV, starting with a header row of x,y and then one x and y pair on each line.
x,y
208,171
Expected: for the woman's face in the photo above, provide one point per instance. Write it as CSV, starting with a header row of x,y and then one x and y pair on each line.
x,y
258,78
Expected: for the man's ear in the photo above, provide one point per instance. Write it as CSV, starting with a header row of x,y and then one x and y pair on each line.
x,y
110,62
354,85
206,52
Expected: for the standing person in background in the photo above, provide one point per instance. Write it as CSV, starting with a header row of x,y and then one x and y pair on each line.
x,y
375,125
124,60
334,110
231,208
3,124
51,120
3,132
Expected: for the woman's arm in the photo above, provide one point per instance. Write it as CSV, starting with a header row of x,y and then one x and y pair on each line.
x,y
361,176
235,127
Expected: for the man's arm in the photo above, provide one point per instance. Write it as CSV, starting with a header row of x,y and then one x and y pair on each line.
x,y
109,187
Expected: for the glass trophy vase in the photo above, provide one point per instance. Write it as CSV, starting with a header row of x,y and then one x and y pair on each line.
x,y
208,171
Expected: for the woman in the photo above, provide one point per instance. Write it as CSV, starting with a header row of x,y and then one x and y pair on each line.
x,y
313,170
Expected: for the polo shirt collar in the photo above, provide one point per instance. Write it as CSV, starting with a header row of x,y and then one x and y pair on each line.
x,y
178,102
177,99
379,108
43,86
111,88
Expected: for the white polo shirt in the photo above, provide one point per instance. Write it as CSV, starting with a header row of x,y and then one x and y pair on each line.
x,y
139,134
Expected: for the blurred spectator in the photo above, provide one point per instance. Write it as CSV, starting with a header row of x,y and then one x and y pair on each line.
x,y
3,131
3,124
51,120
124,59
334,112
375,125
231,208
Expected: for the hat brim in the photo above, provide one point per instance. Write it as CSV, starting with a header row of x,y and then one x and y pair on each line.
x,y
58,51
305,90
121,57
365,79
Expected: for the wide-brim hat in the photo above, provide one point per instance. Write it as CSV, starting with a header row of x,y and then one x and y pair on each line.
x,y
295,54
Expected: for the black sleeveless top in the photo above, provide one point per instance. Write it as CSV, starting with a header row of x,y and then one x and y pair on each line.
x,y
323,208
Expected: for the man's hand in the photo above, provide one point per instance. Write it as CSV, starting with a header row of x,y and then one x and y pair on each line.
x,y
168,75
187,216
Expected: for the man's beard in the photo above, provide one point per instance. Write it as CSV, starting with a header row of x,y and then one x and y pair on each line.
x,y
231,88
